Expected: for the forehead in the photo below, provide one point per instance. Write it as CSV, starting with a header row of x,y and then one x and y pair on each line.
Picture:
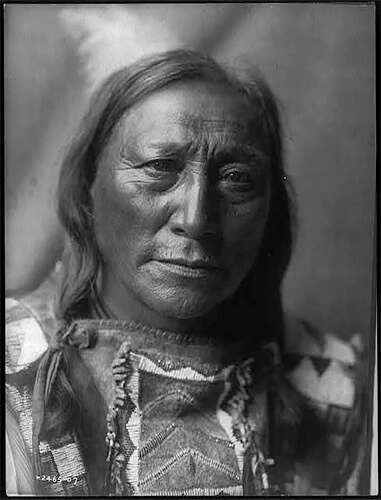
x,y
193,113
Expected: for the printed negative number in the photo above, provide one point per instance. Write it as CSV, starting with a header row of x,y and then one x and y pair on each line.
x,y
50,479
57,479
71,479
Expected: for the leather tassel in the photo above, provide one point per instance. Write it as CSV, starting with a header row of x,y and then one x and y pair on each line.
x,y
45,378
255,477
248,480
51,374
38,408
115,483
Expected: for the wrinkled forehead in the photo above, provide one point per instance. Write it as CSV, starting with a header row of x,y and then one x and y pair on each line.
x,y
201,117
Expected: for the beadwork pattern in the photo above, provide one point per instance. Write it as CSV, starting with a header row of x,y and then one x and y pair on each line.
x,y
145,457
337,367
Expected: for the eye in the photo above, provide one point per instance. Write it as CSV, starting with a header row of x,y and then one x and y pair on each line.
x,y
161,166
237,176
240,181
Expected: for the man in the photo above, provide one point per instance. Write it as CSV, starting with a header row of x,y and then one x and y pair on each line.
x,y
164,374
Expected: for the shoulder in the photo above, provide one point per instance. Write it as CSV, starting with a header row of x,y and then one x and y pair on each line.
x,y
326,369
29,324
329,374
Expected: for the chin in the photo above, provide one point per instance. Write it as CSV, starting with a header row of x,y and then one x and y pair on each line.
x,y
185,306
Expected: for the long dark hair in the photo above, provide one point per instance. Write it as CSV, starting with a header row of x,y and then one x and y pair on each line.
x,y
123,89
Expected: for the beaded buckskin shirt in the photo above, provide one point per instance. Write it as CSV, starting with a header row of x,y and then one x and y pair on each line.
x,y
163,413
168,430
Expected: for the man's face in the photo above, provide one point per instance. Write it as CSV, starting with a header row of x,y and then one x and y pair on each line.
x,y
181,199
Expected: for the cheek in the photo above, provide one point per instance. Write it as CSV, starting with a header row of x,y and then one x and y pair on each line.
x,y
243,231
125,216
110,212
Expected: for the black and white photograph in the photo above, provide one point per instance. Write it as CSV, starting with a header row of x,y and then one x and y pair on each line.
x,y
190,249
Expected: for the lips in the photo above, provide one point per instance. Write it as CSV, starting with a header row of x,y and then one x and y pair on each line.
x,y
206,264
195,268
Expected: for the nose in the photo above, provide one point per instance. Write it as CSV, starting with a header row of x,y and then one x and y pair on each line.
x,y
196,210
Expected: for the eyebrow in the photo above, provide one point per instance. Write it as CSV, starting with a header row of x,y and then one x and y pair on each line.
x,y
239,152
220,153
171,148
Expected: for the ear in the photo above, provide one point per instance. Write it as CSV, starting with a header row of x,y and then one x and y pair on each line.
x,y
113,36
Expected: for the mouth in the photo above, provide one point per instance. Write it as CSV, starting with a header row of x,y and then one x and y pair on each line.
x,y
191,264
198,268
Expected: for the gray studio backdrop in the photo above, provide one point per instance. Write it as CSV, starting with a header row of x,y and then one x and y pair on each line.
x,y
319,60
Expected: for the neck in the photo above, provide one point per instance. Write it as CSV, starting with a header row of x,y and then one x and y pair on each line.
x,y
225,320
